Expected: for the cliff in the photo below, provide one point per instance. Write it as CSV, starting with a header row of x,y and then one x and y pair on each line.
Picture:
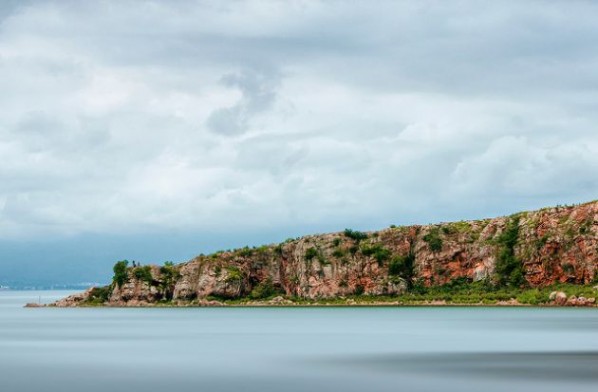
x,y
528,249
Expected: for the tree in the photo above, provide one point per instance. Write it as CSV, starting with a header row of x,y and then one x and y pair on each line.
x,y
120,272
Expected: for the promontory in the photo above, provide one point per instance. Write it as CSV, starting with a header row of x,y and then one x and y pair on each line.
x,y
544,257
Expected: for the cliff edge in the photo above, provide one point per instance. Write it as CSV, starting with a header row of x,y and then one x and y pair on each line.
x,y
527,249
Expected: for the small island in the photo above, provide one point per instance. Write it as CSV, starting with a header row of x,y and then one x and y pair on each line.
x,y
547,257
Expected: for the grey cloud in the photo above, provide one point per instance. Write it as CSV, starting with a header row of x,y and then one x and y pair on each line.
x,y
335,114
258,91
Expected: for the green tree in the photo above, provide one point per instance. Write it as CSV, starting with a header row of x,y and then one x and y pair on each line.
x,y
120,272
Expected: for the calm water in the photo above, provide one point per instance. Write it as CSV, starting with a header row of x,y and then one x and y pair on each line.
x,y
338,349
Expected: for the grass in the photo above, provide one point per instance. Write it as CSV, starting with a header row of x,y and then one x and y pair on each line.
x,y
458,292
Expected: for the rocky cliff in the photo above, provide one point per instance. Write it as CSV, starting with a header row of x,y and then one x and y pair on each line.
x,y
533,249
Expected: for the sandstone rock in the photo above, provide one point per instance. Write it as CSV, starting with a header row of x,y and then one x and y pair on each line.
x,y
560,298
572,301
338,264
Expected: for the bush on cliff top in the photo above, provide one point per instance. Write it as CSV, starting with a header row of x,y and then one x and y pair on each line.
x,y
144,274
120,272
355,235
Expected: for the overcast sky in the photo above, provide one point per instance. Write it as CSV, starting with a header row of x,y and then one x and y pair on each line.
x,y
247,121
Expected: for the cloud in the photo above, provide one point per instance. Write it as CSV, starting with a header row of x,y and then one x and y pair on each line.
x,y
258,93
259,116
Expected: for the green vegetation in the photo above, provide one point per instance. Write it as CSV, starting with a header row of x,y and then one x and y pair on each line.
x,y
169,274
144,274
509,269
234,275
98,295
120,273
278,249
336,242
359,290
310,253
403,266
380,253
542,241
246,252
355,235
264,290
433,239
338,253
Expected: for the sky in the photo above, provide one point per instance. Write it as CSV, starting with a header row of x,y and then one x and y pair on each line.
x,y
157,130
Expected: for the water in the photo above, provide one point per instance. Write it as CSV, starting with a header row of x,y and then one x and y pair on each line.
x,y
295,349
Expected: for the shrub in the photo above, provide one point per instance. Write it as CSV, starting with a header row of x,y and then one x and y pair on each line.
x,y
322,260
355,235
263,290
143,273
509,269
403,266
433,239
359,290
338,253
169,274
311,253
234,275
120,272
278,249
246,252
99,295
264,249
336,242
380,253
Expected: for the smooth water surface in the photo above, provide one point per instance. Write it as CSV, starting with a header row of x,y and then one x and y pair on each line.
x,y
294,349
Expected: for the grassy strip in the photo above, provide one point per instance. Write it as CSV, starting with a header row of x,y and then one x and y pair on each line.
x,y
456,293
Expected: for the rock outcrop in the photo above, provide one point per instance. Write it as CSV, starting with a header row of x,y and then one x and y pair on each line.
x,y
537,248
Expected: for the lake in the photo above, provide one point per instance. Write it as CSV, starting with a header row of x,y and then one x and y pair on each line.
x,y
294,349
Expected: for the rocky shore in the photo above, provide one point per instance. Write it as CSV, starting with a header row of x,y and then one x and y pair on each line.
x,y
523,251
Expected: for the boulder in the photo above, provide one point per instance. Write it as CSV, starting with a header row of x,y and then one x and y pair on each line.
x,y
560,298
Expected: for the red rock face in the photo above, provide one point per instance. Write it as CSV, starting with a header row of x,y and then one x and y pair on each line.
x,y
553,245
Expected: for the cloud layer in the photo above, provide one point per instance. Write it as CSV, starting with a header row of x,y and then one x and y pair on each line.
x,y
128,117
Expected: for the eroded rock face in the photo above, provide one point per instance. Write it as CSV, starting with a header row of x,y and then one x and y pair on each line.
x,y
73,300
552,245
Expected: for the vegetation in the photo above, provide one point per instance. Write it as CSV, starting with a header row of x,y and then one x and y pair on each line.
x,y
143,273
120,273
433,239
234,275
310,253
355,235
380,253
169,274
264,290
403,266
246,252
509,269
99,295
